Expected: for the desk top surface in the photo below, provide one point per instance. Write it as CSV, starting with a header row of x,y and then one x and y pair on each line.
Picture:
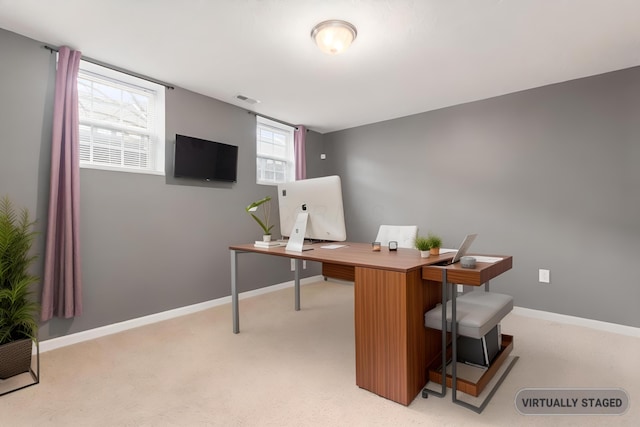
x,y
361,255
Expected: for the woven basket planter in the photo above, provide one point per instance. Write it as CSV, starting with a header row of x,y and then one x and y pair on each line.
x,y
15,358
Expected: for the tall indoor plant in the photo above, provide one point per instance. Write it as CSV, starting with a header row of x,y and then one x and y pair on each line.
x,y
18,324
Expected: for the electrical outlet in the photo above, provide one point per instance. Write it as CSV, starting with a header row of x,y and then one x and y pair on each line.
x,y
293,264
543,276
304,264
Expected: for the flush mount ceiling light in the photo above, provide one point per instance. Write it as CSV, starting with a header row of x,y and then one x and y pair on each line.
x,y
334,36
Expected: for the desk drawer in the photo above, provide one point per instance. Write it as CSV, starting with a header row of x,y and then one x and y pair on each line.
x,y
483,272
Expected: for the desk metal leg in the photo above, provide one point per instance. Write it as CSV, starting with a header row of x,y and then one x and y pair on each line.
x,y
235,311
234,292
454,346
296,283
443,372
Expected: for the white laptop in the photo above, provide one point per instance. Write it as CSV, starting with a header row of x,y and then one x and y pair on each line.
x,y
462,250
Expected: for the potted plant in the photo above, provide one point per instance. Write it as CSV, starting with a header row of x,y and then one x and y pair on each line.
x,y
422,244
18,324
266,211
435,243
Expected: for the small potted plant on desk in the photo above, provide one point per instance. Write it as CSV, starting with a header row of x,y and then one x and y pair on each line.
x,y
266,210
422,244
435,243
18,324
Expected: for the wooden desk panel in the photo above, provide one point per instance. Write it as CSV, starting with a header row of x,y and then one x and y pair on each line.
x,y
339,271
482,273
393,347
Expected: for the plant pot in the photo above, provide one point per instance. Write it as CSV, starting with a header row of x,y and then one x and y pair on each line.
x,y
266,238
434,251
425,254
15,358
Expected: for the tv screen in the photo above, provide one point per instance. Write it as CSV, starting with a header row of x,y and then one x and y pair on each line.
x,y
201,159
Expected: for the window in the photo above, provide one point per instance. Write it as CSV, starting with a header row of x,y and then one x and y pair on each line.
x,y
275,162
121,121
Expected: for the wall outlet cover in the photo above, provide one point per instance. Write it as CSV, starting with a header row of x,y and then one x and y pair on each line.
x,y
543,276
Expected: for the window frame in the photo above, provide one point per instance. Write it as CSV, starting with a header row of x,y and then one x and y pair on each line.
x,y
288,158
157,130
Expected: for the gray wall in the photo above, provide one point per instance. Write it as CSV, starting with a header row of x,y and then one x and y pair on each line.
x,y
549,175
149,243
545,175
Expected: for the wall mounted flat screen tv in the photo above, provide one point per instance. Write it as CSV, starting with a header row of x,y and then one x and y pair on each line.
x,y
207,160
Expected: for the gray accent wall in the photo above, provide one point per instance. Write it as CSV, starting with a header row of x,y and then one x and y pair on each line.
x,y
149,243
549,175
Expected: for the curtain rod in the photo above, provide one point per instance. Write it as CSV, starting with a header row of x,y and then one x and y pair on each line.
x,y
114,68
275,120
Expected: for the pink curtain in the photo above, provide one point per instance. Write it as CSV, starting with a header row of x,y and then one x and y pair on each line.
x,y
299,137
62,286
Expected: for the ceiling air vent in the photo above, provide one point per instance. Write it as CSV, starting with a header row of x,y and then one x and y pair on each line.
x,y
247,99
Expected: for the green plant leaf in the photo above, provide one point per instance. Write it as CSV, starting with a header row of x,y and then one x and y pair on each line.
x,y
266,209
17,309
258,203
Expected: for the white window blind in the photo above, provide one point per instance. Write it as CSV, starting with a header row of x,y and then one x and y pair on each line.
x,y
121,121
275,162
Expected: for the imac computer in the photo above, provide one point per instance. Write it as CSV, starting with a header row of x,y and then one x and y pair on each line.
x,y
321,200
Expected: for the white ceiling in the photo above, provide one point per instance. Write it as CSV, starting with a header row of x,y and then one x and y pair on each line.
x,y
410,56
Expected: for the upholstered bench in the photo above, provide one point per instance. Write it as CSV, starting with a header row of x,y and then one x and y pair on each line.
x,y
476,312
479,342
478,315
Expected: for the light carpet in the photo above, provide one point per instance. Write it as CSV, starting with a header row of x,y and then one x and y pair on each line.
x,y
289,368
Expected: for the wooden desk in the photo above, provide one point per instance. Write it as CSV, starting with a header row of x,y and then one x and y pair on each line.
x,y
393,347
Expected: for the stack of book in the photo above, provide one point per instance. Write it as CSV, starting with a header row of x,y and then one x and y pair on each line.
x,y
272,244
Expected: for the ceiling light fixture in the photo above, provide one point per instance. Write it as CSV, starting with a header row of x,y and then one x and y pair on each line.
x,y
334,36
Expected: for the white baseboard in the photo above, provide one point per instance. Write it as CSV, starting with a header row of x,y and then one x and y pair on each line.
x,y
578,321
54,343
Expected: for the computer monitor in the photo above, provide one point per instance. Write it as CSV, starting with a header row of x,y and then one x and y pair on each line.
x,y
321,198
